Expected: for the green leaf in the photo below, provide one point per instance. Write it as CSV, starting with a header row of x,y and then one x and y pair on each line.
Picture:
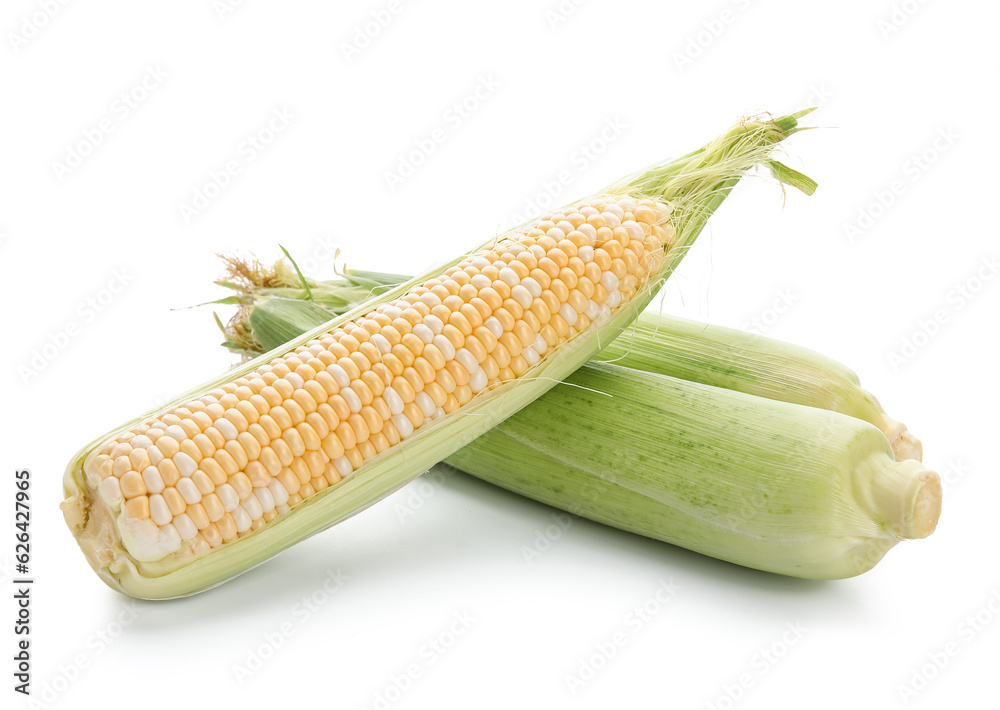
x,y
278,320
793,178
305,284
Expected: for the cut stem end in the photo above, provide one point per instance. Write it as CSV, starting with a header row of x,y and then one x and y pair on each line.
x,y
924,505
904,444
903,496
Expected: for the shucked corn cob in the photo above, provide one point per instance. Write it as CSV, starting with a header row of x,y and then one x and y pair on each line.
x,y
226,463
661,344
190,495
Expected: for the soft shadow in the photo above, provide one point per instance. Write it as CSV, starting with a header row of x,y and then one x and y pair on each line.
x,y
418,551
666,556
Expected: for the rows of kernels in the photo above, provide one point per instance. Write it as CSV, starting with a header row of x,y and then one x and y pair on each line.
x,y
225,464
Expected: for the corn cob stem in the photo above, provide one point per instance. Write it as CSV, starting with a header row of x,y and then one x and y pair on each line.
x,y
231,473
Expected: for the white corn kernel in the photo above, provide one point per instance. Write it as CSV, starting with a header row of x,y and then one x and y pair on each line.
x,y
478,380
466,360
189,492
226,428
509,276
184,463
425,403
278,492
352,399
434,323
110,490
343,466
570,315
424,332
445,346
339,374
392,400
522,295
252,506
185,527
265,499
151,477
242,519
494,325
159,512
533,287
227,494
403,425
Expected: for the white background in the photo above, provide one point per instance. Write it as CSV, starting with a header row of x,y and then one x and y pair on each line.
x,y
908,104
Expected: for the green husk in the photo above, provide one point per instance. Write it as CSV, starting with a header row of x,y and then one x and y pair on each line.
x,y
693,187
316,302
780,487
754,364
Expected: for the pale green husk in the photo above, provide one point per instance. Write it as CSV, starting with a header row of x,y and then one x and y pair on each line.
x,y
693,187
771,485
754,364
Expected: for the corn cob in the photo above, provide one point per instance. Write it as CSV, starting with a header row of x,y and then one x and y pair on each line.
x,y
776,487
662,344
189,495
723,357
564,466
771,485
